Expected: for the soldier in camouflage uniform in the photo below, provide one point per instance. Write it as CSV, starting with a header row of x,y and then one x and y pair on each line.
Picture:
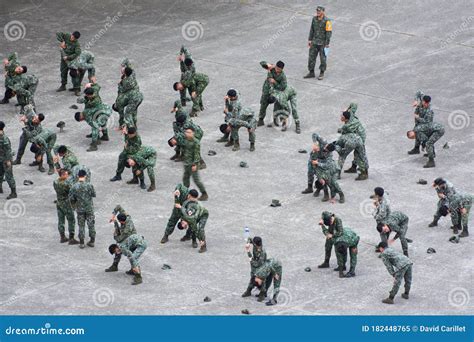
x,y
24,87
10,63
192,158
133,248
133,143
319,38
327,172
352,124
332,229
257,258
352,142
79,66
178,141
81,198
32,126
423,115
270,271
62,186
241,117
319,160
196,83
42,143
232,106
143,159
124,228
395,222
6,169
400,267
382,207
276,79
179,112
281,108
96,114
459,207
427,134
75,173
70,50
348,240
445,191
194,217
185,69
65,156
181,195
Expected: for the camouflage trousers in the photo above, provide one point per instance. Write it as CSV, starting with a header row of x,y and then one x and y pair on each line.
x,y
360,157
197,102
403,240
135,254
236,124
182,95
405,273
333,185
342,257
64,68
6,172
188,173
263,105
95,132
121,162
130,111
459,219
327,249
198,231
314,50
276,284
65,212
48,149
431,141
172,221
278,110
442,202
82,218
22,145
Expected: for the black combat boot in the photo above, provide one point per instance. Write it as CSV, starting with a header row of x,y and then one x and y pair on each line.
x,y
350,274
430,163
81,243
92,147
465,232
224,138
72,240
326,194
252,147
164,239
194,243
229,143
405,295
51,170
416,150
261,297
362,176
310,74
63,238
321,75
352,169
113,268
325,264
343,268
91,242
202,165
61,88
17,161
388,300
203,197
247,292
260,123
115,178
342,199
308,190
142,183
236,146
298,128
12,194
435,221
105,136
137,279
134,180
1,188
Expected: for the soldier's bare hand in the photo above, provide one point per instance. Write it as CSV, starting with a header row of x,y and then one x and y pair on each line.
x,y
194,168
62,45
65,58
193,94
8,163
177,193
309,43
177,206
463,211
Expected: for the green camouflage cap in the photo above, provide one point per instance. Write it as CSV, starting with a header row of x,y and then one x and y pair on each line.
x,y
326,215
320,8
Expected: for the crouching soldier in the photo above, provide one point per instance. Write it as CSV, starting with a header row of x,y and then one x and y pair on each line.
x,y
194,216
445,190
459,207
332,229
145,158
270,271
181,195
348,240
257,259
133,248
427,134
396,222
41,144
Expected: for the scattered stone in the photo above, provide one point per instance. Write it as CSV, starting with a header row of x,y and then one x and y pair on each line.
x,y
275,203
245,312
211,153
243,164
27,182
307,269
166,267
61,125
301,150
207,299
74,106
422,181
446,146
454,239
430,250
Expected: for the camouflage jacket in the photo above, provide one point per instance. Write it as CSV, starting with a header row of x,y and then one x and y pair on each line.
x,y
270,267
233,107
394,261
81,197
24,84
460,200
94,101
132,144
426,115
69,159
349,237
258,256
283,97
195,214
382,210
396,221
123,230
62,188
183,194
184,51
5,148
44,139
348,141
73,48
448,190
280,80
335,229
198,132
75,173
85,61
320,31
425,130
195,81
191,152
130,244
145,157
354,126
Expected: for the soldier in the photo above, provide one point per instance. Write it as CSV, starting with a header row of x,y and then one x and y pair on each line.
x,y
185,69
70,50
124,228
62,186
31,123
179,139
427,134
6,169
318,40
423,115
319,160
459,207
282,110
24,86
399,266
270,271
352,142
181,195
79,66
244,118
232,106
10,63
276,79
192,158
145,158
133,143
194,216
133,248
396,222
129,96
257,258
348,240
64,154
42,143
178,129
327,173
96,114
382,207
81,197
196,83
353,127
332,229
445,190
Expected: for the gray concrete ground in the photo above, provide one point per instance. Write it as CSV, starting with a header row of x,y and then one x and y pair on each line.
x,y
381,53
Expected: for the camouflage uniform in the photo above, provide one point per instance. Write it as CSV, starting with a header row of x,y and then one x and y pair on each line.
x,y
428,134
196,216
63,206
244,118
352,142
258,256
267,272
45,140
81,197
145,158
133,247
75,173
196,82
176,213
320,156
31,129
69,159
279,85
72,51
24,86
13,62
398,223
448,191
336,230
426,115
83,63
400,267
178,127
319,36
354,126
131,147
122,230
6,172
281,107
351,240
456,203
185,70
192,156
